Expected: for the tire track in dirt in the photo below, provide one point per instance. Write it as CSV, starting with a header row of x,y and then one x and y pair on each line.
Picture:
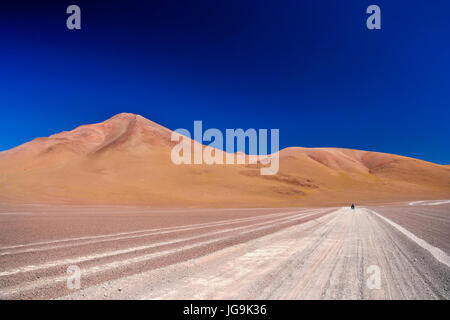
x,y
180,246
324,258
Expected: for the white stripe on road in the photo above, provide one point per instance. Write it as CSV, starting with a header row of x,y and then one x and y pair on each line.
x,y
440,255
429,202
436,203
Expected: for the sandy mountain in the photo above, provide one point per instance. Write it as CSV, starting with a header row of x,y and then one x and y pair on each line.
x,y
126,160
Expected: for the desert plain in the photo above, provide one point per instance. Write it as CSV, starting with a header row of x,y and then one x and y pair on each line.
x,y
107,199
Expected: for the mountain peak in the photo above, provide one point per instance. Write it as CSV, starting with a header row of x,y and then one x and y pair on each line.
x,y
125,115
122,130
137,119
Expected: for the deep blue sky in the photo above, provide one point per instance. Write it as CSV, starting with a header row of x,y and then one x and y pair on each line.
x,y
309,68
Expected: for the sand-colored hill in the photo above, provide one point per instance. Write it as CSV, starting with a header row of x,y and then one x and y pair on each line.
x,y
126,160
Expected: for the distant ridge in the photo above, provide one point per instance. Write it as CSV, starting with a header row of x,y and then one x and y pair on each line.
x,y
126,160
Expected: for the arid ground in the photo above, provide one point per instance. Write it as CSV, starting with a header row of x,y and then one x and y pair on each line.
x,y
107,199
285,253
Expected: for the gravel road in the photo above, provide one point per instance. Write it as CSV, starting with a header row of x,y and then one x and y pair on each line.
x,y
295,253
